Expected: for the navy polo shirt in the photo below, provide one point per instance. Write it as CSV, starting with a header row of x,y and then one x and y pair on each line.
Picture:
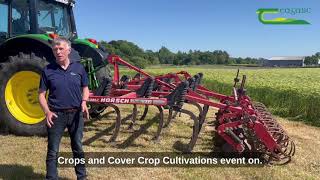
x,y
65,86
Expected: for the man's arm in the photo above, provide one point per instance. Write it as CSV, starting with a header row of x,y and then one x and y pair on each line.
x,y
45,108
85,97
43,87
43,102
85,93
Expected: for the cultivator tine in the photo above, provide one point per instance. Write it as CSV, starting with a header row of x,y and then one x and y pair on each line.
x,y
170,116
201,116
241,91
144,91
176,100
236,79
243,82
161,122
199,79
195,130
234,89
117,124
192,83
196,82
134,116
204,115
145,112
235,94
175,114
137,76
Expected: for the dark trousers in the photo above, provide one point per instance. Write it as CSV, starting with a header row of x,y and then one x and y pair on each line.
x,y
74,122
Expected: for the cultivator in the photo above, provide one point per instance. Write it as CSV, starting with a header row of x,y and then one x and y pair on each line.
x,y
241,125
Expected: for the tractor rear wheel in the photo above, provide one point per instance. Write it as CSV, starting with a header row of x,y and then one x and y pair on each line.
x,y
100,75
20,111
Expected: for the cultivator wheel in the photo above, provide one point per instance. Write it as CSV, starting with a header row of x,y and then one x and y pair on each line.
x,y
286,147
259,134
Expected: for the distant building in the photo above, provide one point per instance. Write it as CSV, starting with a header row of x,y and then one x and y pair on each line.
x,y
285,61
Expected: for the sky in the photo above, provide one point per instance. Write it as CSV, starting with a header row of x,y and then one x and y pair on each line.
x,y
206,25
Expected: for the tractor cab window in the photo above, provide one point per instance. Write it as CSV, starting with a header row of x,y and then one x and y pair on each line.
x,y
3,19
53,18
20,17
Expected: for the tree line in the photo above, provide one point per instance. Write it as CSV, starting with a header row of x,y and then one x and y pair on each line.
x,y
312,60
142,58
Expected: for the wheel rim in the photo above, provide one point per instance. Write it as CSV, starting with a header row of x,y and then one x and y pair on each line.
x,y
21,97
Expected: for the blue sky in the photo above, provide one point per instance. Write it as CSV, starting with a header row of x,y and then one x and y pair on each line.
x,y
230,25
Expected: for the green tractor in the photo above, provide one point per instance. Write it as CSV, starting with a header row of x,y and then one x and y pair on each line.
x,y
27,28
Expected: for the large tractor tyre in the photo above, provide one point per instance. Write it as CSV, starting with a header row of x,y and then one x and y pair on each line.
x,y
100,75
20,110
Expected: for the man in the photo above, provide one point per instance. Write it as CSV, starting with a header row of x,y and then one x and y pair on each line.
x,y
67,83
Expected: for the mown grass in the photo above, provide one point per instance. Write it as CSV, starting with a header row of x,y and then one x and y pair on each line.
x,y
293,93
24,157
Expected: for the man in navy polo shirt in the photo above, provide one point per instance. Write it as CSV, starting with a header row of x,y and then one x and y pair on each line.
x,y
67,82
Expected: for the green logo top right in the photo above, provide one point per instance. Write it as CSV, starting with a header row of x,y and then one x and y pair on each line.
x,y
281,20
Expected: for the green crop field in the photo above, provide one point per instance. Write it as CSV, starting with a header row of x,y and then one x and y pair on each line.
x,y
288,92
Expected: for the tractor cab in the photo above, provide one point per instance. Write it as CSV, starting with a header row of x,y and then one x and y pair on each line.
x,y
27,28
19,17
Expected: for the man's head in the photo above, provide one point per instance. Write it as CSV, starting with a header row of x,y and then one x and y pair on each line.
x,y
61,48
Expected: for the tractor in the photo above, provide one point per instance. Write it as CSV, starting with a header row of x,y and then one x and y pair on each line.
x,y
27,28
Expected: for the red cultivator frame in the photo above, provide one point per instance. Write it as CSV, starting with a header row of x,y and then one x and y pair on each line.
x,y
242,125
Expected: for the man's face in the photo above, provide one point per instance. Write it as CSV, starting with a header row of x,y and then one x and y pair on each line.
x,y
61,51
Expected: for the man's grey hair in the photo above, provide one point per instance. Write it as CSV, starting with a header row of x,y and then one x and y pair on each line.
x,y
59,40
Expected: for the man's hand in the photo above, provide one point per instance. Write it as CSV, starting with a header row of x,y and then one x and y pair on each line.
x,y
45,108
49,118
84,109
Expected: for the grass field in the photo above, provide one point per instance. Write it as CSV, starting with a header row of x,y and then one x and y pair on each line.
x,y
293,93
24,157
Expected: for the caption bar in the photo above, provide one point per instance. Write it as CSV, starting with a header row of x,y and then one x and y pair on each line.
x,y
153,159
